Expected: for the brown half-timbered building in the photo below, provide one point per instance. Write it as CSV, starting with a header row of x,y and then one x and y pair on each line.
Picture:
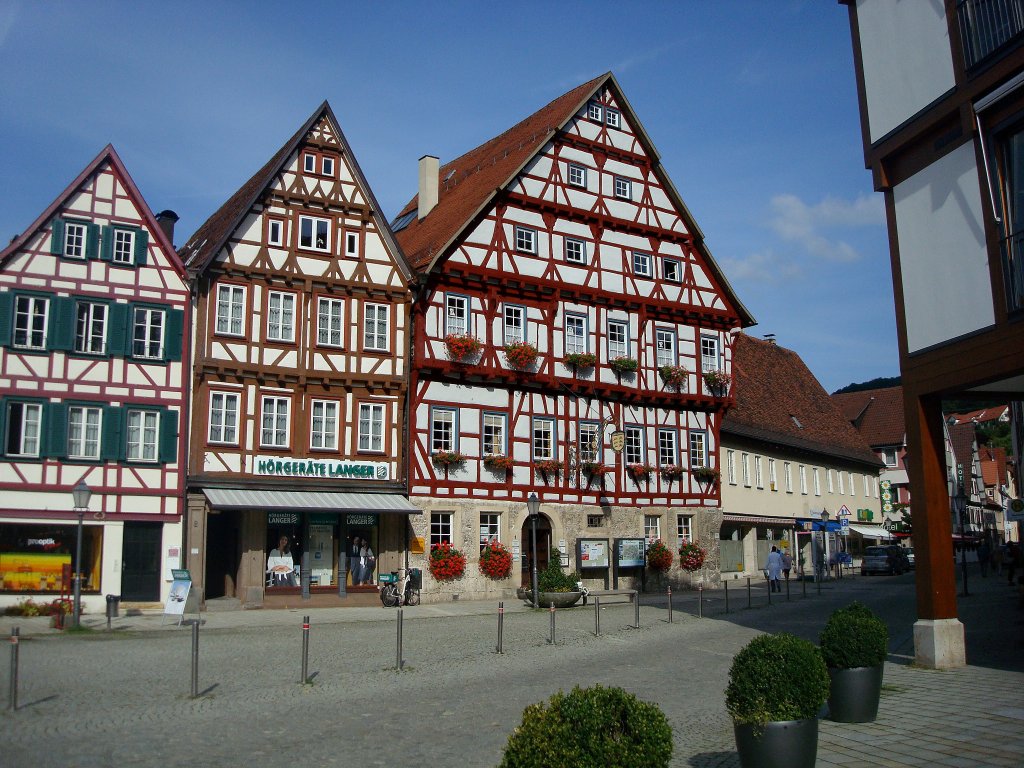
x,y
299,383
564,293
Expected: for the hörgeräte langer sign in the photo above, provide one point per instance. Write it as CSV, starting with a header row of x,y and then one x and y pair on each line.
x,y
329,468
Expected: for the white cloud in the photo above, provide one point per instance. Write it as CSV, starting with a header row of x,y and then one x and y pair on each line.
x,y
761,267
814,227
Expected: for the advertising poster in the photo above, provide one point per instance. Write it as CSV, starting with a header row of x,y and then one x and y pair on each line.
x,y
592,553
175,605
630,553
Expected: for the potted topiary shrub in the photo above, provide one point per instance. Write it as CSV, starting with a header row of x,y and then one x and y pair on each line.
x,y
555,586
777,684
591,726
854,644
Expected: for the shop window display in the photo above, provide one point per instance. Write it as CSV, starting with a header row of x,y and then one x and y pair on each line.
x,y
33,557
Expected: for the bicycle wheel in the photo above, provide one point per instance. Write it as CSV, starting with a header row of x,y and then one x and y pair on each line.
x,y
389,596
412,596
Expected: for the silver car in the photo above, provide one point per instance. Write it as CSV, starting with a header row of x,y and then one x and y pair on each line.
x,y
889,560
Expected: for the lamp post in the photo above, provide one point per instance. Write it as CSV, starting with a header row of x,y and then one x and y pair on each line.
x,y
824,541
533,505
81,495
960,502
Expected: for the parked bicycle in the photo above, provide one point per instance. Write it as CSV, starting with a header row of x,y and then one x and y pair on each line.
x,y
398,589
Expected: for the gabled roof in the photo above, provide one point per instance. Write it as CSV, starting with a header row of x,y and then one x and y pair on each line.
x,y
962,440
476,178
980,416
203,246
106,155
779,401
876,413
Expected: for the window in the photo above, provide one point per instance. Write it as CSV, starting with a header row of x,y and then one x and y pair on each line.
x,y
745,467
672,270
275,232
84,432
371,427
494,434
375,327
709,359
526,240
577,175
828,476
74,240
442,430
575,251
595,521
123,246
594,111
490,527
352,244
328,322
327,166
788,469
30,316
314,234
623,188
224,418
853,486
634,447
665,340
641,264
684,529
890,457
772,479
817,481
143,435
698,449
148,332
514,327
23,429
867,487
618,339
611,116
543,439
652,527
440,528
590,442
309,163
323,427
842,485
575,334
274,433
730,466
803,479
230,307
90,328
668,447
281,316
758,479
456,315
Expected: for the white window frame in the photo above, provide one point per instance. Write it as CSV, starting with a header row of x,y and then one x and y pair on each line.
x,y
376,327
867,487
672,270
634,451
85,428
575,251
831,484
490,528
665,347
890,453
440,528
788,471
277,410
710,356
494,437
853,485
758,474
773,480
577,176
75,240
525,239
803,480
275,232
618,339
327,166
577,335
730,466
668,447
149,327
611,117
224,410
309,163
842,483
352,244
698,448
456,314
623,188
371,427
589,435
595,111
745,469
311,241
652,528
31,319
543,438
330,328
323,425
230,310
122,250
281,316
816,477
684,529
90,328
513,329
642,264
29,436
143,437
444,430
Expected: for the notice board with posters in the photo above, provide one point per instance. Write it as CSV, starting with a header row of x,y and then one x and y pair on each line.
x,y
182,598
630,553
592,553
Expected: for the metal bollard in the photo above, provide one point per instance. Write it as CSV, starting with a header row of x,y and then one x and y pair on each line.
x,y
597,615
195,659
551,613
398,650
636,605
803,580
15,633
787,590
305,650
749,603
768,581
726,596
670,605
501,626
817,580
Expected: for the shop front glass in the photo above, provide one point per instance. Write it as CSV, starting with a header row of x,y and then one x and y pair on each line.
x,y
37,558
731,547
324,536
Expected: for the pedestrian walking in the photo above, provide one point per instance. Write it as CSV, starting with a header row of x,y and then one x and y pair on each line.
x,y
787,564
984,553
774,569
997,559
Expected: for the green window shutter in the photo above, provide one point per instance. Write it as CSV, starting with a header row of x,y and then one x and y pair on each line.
x,y
107,244
113,442
174,333
6,318
92,241
169,436
141,247
60,332
119,342
55,431
57,238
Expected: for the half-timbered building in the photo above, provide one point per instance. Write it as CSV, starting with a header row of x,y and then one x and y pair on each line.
x,y
301,341
571,339
93,303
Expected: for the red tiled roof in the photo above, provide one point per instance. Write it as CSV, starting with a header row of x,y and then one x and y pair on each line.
x,y
961,437
980,416
779,400
876,413
993,465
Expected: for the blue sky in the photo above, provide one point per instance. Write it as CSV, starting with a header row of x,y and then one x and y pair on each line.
x,y
752,106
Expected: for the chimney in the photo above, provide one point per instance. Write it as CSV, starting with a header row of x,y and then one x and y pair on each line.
x,y
167,219
428,185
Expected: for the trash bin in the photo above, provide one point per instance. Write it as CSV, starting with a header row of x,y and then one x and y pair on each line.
x,y
113,605
416,578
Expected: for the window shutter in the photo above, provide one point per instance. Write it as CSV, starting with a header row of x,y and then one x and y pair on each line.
x,y
173,334
118,340
107,244
92,241
6,317
57,238
113,443
169,436
60,333
141,247
55,431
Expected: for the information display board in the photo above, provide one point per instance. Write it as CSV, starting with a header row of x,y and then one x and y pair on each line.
x,y
175,605
629,553
592,553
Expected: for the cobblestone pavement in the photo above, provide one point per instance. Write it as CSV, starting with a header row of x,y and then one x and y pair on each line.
x,y
98,698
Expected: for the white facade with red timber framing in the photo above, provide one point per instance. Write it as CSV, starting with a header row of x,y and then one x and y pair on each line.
x,y
565,234
301,342
93,303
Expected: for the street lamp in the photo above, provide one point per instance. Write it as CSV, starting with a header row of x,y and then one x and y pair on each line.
x,y
533,505
960,504
81,495
824,541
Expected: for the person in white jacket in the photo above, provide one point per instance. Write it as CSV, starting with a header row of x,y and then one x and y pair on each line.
x,y
774,569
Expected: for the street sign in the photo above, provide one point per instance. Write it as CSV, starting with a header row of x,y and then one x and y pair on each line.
x,y
844,525
844,511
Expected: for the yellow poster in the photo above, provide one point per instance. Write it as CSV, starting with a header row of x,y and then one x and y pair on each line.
x,y
33,571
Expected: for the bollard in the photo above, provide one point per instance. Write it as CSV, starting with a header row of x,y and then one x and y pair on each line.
x,y
636,613
501,625
597,615
551,613
726,596
195,659
749,604
817,580
768,581
398,650
670,605
803,581
305,650
787,590
13,705
700,601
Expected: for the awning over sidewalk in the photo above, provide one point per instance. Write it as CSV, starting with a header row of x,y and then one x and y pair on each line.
x,y
871,531
310,501
780,522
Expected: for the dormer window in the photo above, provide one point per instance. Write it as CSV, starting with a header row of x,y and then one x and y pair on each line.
x,y
275,232
314,234
611,117
309,163
327,166
594,112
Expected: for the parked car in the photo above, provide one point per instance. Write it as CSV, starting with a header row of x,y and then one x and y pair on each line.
x,y
909,552
890,560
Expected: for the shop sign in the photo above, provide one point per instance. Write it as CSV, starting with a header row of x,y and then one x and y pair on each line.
x,y
360,519
283,518
333,468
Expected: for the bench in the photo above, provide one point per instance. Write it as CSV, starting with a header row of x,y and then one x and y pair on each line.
x,y
603,593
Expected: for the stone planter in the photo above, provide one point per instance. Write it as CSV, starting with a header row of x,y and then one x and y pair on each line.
x,y
784,744
854,694
557,599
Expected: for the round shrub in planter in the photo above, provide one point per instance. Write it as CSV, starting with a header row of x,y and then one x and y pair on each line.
x,y
777,684
854,644
591,727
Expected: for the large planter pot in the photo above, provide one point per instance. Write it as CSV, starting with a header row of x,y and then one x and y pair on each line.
x,y
557,599
854,694
785,744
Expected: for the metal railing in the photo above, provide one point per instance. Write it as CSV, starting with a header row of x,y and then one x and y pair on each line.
x,y
987,25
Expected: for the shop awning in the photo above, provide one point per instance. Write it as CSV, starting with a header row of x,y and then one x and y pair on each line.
x,y
781,522
871,531
310,501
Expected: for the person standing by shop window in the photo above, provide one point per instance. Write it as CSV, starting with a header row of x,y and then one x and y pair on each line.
x,y
367,561
280,564
353,559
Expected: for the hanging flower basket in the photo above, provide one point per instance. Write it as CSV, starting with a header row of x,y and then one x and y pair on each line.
x,y
520,355
718,381
623,365
462,345
671,472
447,459
579,360
594,469
706,474
691,556
659,556
495,561
640,471
498,463
674,375
446,563
548,468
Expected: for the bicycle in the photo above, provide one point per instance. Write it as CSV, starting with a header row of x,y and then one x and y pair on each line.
x,y
398,589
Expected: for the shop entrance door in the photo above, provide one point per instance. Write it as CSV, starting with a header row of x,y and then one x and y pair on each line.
x,y
140,562
543,548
